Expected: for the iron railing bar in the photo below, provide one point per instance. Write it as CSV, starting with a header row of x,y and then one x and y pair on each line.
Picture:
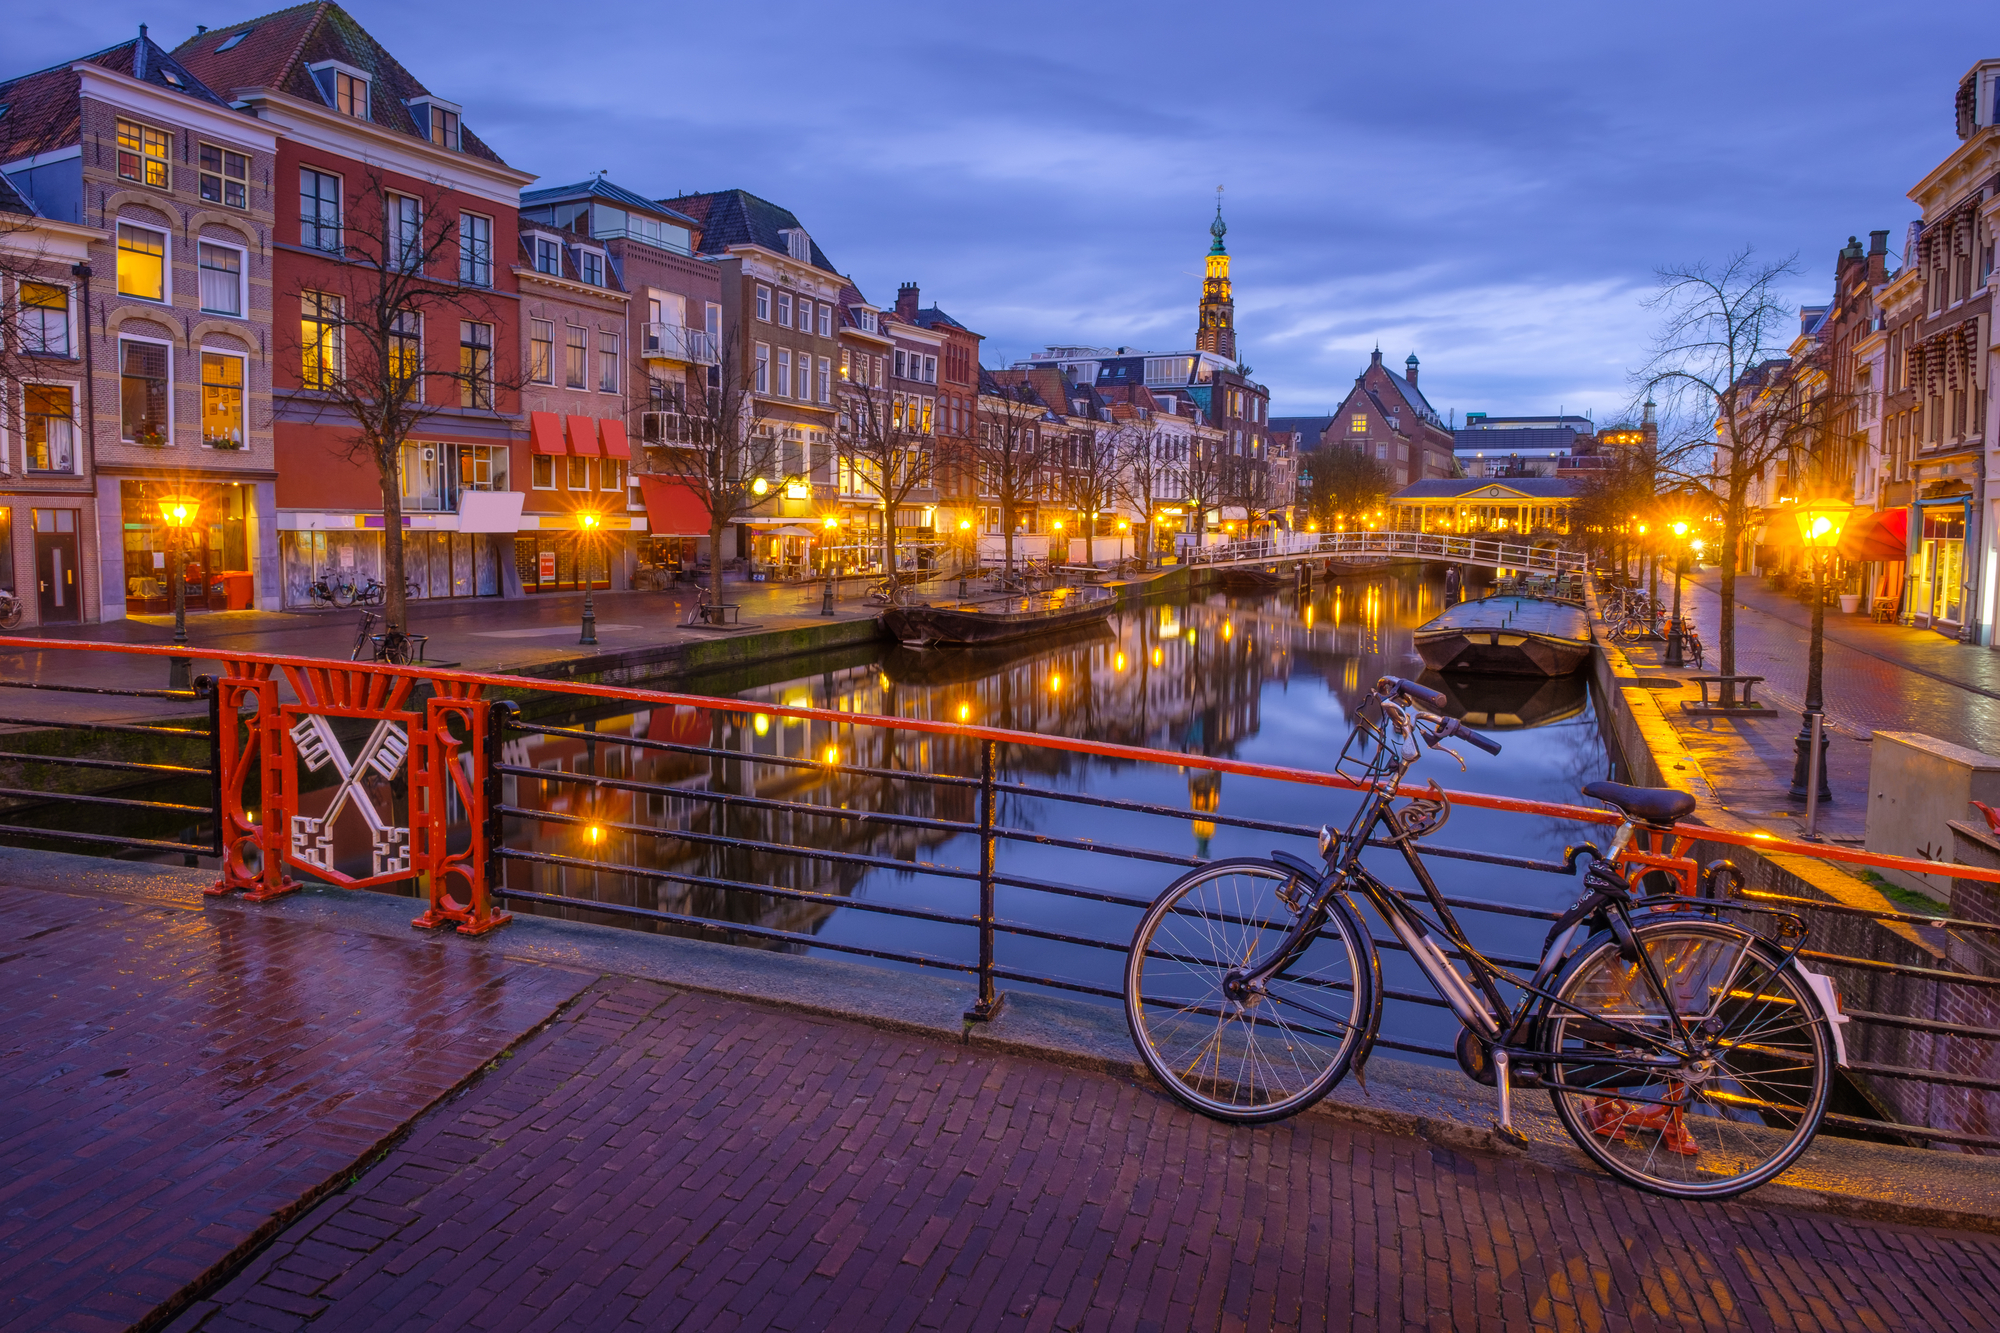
x,y
1101,848
742,756
8,756
731,928
628,870
1902,969
151,844
1912,1131
1842,909
98,689
1925,1076
1922,1025
51,724
719,839
1122,900
65,796
742,802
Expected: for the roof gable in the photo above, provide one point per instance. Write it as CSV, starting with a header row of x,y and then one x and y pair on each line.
x,y
45,112
599,188
737,217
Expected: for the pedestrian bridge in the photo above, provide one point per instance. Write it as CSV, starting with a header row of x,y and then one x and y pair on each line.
x,y
1491,553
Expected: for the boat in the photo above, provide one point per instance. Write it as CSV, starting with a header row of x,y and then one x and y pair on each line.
x,y
1250,580
1507,636
911,666
1505,703
998,622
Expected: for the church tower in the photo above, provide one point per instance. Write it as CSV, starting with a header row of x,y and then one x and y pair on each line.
x,y
1217,330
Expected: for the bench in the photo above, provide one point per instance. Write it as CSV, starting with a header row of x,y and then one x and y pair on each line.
x,y
1725,700
722,613
1885,610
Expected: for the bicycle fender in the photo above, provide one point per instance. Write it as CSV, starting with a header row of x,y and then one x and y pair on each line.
x,y
1821,987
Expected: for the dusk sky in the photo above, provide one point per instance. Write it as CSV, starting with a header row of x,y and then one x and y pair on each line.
x,y
1490,186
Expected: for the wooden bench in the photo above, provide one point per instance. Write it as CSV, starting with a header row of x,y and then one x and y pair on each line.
x,y
1885,610
722,613
1725,700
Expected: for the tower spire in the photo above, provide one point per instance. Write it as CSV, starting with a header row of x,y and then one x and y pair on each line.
x,y
1215,330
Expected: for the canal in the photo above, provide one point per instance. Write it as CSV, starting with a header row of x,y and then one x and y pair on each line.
x,y
1271,678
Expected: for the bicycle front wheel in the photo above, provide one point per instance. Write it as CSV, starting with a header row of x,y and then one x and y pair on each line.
x,y
10,612
1242,1055
1735,1107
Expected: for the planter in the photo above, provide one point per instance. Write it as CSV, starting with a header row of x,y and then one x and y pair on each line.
x,y
1850,602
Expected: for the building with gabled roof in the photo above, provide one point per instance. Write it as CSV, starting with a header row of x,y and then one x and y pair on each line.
x,y
1386,415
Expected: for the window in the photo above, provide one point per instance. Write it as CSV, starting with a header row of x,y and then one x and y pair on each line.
x,y
763,367
225,176
610,475
880,362
574,364
475,250
406,346
899,366
51,428
867,319
221,279
1358,424
406,231
797,244
764,304
319,210
805,378
590,264
221,400
350,95
846,364
712,316
142,262
930,370
320,339
143,153
443,126
548,256
826,379
541,351
542,473
579,474
45,319
482,467
784,310
784,372
475,364
826,321
235,40
607,363
142,392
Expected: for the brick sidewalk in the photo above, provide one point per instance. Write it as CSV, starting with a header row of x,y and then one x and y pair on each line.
x,y
662,1160
175,1080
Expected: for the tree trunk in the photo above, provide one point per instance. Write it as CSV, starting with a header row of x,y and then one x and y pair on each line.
x,y
889,550
716,528
1007,537
1732,540
396,598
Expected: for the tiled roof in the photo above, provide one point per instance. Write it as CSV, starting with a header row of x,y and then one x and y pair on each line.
x,y
1443,488
599,188
276,50
1307,428
1013,384
43,111
738,217
930,317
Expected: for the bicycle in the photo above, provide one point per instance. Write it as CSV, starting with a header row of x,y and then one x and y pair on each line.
x,y
1685,1054
12,609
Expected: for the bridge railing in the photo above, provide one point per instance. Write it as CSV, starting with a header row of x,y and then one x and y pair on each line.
x,y
792,827
1493,552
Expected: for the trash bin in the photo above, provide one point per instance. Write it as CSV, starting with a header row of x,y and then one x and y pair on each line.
x,y
242,588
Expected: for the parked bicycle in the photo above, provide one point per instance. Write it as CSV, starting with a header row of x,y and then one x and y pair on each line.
x,y
1686,1054
12,609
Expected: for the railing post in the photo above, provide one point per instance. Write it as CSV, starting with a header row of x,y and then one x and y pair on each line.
x,y
987,1006
209,686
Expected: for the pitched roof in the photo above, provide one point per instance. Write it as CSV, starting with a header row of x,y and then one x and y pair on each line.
x,y
596,187
1311,428
44,112
1450,488
930,317
1013,384
738,217
275,50
1515,439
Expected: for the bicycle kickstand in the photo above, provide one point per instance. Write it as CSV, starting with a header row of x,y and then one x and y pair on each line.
x,y
1503,1081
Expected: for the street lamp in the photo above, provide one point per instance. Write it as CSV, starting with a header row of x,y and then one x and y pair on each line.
x,y
179,512
1676,637
587,524
1820,523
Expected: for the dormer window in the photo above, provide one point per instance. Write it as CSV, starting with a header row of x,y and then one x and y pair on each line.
x,y
436,120
797,244
344,87
548,255
590,266
866,319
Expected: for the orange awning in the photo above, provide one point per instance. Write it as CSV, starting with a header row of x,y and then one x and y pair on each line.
x,y
613,433
1881,535
583,436
672,508
545,428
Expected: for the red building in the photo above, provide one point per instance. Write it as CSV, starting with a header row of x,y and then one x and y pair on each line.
x,y
1386,415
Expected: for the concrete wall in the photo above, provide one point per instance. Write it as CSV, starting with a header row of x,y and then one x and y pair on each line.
x,y
1917,785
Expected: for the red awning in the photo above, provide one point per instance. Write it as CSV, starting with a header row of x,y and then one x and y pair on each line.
x,y
583,436
613,433
672,508
545,428
1883,534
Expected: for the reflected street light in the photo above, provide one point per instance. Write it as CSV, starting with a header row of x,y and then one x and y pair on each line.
x,y
179,512
1820,523
587,524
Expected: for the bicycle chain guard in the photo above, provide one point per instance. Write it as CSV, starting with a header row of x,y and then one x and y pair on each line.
x,y
1424,815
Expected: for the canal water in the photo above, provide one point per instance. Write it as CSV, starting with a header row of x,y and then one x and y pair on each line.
x,y
1271,678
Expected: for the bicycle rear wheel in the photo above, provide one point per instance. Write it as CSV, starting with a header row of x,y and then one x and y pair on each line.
x,y
10,612
1737,1108
1237,1056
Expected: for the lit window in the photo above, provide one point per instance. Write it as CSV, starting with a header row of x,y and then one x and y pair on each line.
x,y
475,364
221,400
319,210
576,352
51,428
764,304
607,362
45,319
143,153
541,351
475,250
142,262
350,95
221,279
1358,425
406,341
225,177
319,337
142,392
610,475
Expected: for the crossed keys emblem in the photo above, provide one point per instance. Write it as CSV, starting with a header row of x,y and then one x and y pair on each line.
x,y
384,750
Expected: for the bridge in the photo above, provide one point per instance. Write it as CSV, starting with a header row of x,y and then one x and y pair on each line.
x,y
1489,552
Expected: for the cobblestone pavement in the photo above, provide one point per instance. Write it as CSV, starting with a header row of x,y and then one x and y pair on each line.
x,y
664,1160
174,1080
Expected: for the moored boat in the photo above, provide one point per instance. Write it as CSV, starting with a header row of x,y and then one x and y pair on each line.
x,y
1507,636
999,622
1249,580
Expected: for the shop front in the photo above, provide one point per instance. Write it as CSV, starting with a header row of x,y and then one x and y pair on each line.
x,y
1938,569
215,547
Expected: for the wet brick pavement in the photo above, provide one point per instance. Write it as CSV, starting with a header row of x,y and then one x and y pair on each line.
x,y
173,1080
663,1160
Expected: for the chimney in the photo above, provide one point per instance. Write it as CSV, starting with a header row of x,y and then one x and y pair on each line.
x,y
1878,256
906,303
139,55
1649,430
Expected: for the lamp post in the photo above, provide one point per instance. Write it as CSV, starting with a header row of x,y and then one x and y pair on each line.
x,y
1676,640
179,512
967,550
826,595
587,524
1820,522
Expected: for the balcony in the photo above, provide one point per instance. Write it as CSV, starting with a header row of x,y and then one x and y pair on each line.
x,y
675,342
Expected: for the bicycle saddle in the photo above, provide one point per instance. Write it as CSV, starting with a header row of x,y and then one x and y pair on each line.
x,y
1654,805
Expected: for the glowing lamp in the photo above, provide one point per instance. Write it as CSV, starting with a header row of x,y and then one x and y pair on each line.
x,y
830,756
588,521
1820,522
1122,525
831,522
1680,528
965,712
595,834
760,487
965,525
1058,525
761,724
179,511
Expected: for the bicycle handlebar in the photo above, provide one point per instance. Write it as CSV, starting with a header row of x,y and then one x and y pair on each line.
x,y
1451,727
1397,685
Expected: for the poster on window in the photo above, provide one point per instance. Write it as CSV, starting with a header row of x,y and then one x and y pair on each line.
x,y
546,569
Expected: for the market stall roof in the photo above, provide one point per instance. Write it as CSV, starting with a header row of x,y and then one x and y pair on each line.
x,y
672,508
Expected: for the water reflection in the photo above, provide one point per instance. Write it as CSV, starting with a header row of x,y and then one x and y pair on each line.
x,y
1267,677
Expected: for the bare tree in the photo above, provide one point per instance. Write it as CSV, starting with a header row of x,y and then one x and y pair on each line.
x,y
718,448
362,335
1147,473
1203,480
889,451
1718,362
1090,479
1011,450
1341,479
35,314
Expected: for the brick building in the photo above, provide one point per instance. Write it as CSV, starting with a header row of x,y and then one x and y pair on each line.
x,y
1387,415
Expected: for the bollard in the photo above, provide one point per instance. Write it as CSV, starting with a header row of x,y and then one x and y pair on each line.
x,y
826,598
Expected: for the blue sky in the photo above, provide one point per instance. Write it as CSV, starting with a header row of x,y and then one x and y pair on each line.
x,y
1490,186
